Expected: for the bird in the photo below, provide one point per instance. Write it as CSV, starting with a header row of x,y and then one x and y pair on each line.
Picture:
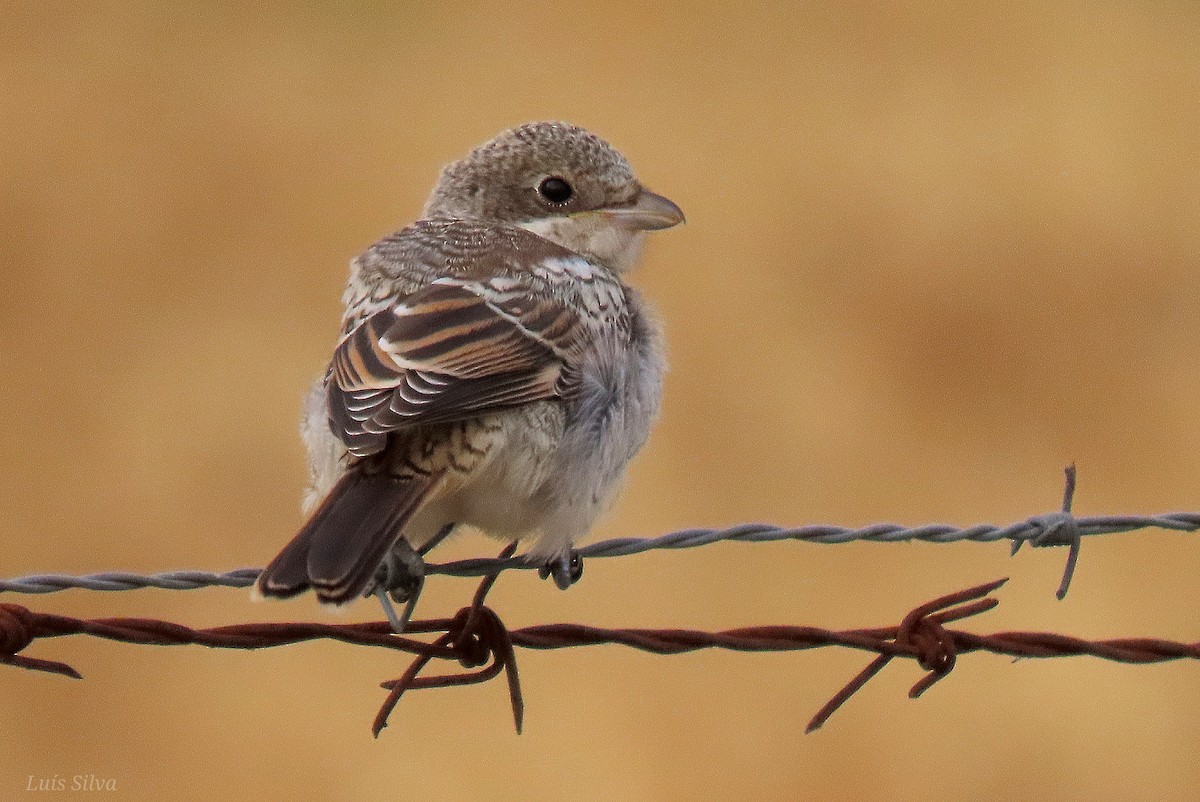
x,y
493,370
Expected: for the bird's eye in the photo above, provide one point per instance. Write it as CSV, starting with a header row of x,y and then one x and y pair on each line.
x,y
555,190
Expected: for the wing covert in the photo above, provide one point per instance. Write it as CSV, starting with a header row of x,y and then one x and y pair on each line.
x,y
453,349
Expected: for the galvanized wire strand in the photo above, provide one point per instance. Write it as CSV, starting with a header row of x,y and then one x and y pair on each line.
x,y
121,580
1033,530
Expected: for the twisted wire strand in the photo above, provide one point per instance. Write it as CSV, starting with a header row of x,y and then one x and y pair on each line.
x,y
479,642
122,580
1052,529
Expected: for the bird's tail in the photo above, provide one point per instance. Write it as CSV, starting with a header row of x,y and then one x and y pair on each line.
x,y
337,552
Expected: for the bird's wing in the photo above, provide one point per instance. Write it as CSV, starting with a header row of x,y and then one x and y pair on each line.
x,y
454,349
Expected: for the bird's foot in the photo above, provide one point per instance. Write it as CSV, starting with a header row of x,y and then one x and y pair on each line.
x,y
566,569
400,576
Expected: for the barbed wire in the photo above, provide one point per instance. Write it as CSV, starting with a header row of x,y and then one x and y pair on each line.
x,y
1059,528
479,641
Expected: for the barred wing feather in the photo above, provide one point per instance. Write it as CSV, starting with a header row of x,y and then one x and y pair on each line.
x,y
452,350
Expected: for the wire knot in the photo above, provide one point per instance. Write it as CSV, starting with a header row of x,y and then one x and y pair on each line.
x,y
19,627
1058,529
476,634
933,647
16,630
1054,529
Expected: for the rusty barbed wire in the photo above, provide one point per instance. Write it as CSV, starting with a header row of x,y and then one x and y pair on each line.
x,y
1059,528
479,641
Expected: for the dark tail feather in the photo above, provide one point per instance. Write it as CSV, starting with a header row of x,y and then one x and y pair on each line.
x,y
337,551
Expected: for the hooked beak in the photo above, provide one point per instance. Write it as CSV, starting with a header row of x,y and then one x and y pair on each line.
x,y
651,212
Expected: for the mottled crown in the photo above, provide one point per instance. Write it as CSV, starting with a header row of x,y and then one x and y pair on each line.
x,y
499,180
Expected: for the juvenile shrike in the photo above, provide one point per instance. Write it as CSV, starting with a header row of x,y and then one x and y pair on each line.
x,y
493,370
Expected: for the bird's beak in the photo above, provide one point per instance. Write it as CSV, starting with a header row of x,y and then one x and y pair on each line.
x,y
651,212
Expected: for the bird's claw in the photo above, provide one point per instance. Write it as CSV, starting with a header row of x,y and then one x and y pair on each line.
x,y
566,569
401,576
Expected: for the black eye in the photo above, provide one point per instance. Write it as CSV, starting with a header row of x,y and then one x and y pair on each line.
x,y
555,190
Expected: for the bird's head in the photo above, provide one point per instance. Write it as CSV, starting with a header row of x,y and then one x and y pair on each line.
x,y
560,182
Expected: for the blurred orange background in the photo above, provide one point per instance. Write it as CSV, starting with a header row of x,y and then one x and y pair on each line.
x,y
932,256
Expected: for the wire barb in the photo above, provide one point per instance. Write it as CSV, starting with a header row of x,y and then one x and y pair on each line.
x,y
476,635
1059,529
923,637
